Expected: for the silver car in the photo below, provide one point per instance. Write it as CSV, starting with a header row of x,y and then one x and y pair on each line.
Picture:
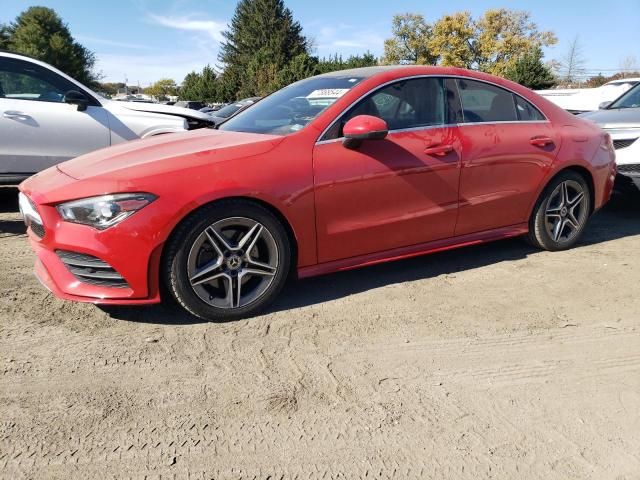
x,y
47,117
621,119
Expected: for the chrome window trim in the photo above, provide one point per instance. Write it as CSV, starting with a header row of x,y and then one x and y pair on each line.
x,y
463,124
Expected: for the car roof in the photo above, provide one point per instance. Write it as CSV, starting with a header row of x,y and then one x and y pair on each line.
x,y
624,80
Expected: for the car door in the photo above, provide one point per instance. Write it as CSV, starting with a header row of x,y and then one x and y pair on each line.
x,y
507,148
37,128
399,191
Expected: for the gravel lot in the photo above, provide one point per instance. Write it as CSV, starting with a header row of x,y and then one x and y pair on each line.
x,y
495,361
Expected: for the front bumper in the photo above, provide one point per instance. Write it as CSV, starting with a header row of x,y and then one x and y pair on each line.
x,y
130,248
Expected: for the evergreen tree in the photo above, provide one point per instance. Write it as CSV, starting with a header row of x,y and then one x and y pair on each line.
x,y
336,62
202,86
5,34
263,38
40,33
528,70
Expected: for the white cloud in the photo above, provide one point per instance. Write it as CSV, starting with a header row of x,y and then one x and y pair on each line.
x,y
212,28
111,43
342,36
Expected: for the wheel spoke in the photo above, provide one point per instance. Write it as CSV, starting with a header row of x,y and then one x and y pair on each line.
x,y
572,222
557,230
208,273
217,241
250,238
565,194
577,200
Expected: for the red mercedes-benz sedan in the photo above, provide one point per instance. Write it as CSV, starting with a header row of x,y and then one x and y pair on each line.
x,y
333,172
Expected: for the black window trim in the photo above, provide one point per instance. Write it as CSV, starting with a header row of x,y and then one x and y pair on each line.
x,y
93,101
413,129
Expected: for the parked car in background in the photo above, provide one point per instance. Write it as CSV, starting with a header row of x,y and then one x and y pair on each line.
x,y
580,100
190,104
403,161
47,117
621,119
228,111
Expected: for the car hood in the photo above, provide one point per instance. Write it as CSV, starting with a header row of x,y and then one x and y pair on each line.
x,y
167,153
615,118
164,109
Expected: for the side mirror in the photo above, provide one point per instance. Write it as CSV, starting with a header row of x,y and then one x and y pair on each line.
x,y
363,127
74,97
604,105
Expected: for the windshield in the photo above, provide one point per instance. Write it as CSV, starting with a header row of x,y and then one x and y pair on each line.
x,y
229,110
631,99
289,110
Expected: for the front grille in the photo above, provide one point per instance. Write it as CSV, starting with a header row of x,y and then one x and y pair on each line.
x,y
37,228
91,270
633,168
619,144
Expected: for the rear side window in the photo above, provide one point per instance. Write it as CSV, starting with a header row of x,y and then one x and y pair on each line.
x,y
482,102
526,111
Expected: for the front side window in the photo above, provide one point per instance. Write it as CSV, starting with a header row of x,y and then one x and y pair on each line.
x,y
292,108
412,103
483,102
26,81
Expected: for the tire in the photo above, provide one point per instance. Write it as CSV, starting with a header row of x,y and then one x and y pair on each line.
x,y
227,260
561,213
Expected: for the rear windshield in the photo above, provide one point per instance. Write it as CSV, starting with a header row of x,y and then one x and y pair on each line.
x,y
291,109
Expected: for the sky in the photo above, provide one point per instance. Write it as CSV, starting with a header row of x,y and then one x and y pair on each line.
x,y
145,40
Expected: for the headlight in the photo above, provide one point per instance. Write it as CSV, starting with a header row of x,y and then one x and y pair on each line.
x,y
104,211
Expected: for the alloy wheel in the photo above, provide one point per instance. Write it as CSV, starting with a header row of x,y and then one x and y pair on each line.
x,y
566,211
232,262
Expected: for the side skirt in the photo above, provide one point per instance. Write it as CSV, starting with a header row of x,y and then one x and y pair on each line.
x,y
413,250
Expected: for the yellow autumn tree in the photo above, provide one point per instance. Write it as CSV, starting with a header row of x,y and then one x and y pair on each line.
x,y
491,43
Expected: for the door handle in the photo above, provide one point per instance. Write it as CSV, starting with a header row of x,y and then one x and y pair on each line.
x,y
15,114
541,141
439,150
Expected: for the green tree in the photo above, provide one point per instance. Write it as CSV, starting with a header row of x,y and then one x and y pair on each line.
x,y
336,62
263,38
109,88
200,86
490,44
408,43
5,34
162,89
299,67
528,70
40,33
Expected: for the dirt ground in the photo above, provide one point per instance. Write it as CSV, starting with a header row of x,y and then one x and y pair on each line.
x,y
495,361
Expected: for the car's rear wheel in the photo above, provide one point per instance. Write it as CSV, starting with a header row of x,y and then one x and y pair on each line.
x,y
227,260
561,213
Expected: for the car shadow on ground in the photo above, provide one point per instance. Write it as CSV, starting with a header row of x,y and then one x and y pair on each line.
x,y
9,204
620,218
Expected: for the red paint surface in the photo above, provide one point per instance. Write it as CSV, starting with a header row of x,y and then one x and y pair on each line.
x,y
414,192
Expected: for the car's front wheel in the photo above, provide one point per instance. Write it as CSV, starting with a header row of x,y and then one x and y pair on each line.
x,y
227,260
561,213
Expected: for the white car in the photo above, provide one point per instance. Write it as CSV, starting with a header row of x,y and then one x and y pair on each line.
x,y
579,100
47,117
621,119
